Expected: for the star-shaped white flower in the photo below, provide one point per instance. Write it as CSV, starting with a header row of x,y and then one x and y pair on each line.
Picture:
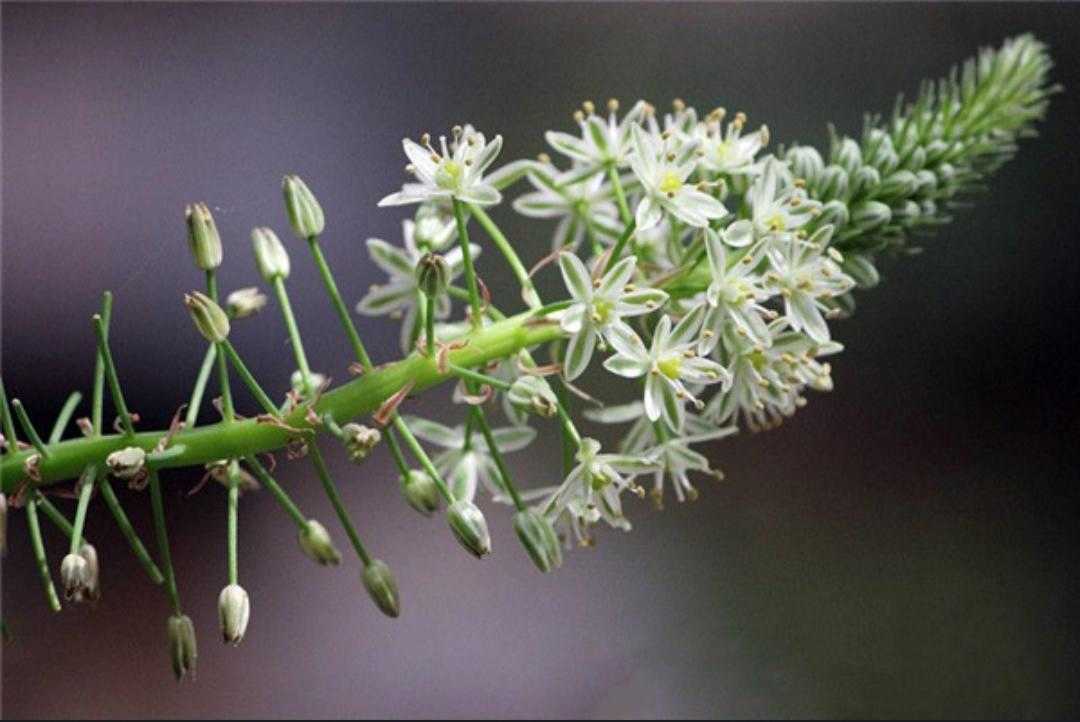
x,y
730,152
598,307
583,207
670,361
734,295
779,207
451,172
602,144
663,167
806,272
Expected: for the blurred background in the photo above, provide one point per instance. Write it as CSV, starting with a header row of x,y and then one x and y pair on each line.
x,y
905,546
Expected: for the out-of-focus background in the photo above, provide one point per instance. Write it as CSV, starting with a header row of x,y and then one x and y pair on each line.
x,y
906,545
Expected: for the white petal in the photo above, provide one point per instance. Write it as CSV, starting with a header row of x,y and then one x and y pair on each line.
x,y
578,353
575,276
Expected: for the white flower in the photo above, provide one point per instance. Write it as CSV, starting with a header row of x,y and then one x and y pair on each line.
x,y
778,206
434,227
602,144
598,307
583,207
467,461
729,152
804,273
677,459
734,296
663,170
399,296
452,173
666,364
592,489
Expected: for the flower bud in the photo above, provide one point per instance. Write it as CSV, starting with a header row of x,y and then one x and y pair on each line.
x,y
432,275
182,649
469,527
900,184
871,215
848,155
127,463
203,236
835,213
833,184
926,182
234,612
92,585
865,180
861,269
315,542
381,585
270,255
211,321
806,163
539,539
296,381
359,441
305,213
3,522
420,491
73,576
434,228
532,395
907,213
245,302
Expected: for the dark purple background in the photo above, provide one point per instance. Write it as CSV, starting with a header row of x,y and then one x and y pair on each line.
x,y
905,546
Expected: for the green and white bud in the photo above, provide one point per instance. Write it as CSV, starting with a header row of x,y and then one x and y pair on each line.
x,y
92,586
469,527
532,395
538,537
381,585
212,322
182,648
73,576
420,491
833,184
359,440
901,184
128,463
234,612
864,181
835,213
245,302
848,155
270,255
861,269
806,163
305,213
296,381
316,543
870,215
432,275
203,236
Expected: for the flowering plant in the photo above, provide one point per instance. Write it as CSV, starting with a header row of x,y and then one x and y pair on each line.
x,y
702,271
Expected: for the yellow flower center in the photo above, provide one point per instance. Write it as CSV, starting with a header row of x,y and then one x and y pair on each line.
x,y
776,222
602,309
670,366
448,174
670,183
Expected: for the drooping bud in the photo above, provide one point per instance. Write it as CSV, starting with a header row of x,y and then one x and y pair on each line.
x,y
432,275
469,527
381,585
73,576
92,585
305,213
532,395
245,302
359,441
316,543
270,255
211,321
182,648
420,491
538,537
234,612
203,236
128,463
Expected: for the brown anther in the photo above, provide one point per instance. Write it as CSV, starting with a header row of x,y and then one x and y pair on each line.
x,y
678,105
613,105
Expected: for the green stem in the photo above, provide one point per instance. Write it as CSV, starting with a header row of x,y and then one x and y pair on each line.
x,y
111,376
496,455
335,500
339,304
475,307
279,493
223,369
249,380
233,514
132,537
620,245
28,429
39,555
294,334
620,195
64,417
429,323
9,427
86,490
478,377
98,397
162,533
528,290
55,515
200,387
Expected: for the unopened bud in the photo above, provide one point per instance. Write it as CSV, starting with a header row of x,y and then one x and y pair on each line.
x,y
211,321
203,236
245,302
833,183
865,180
469,527
381,585
92,585
900,184
359,441
432,275
270,255
73,576
305,213
420,491
234,612
127,463
860,268
182,649
834,213
871,215
532,395
316,543
296,380
848,155
806,163
539,539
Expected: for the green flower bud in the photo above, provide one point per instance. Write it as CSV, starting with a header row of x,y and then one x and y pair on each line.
x,y
92,585
834,213
865,180
234,612
305,213
203,236
432,275
245,302
296,381
860,268
532,395
833,183
73,576
908,213
211,321
128,463
270,255
871,215
182,648
847,155
539,539
806,163
926,182
316,543
420,491
901,184
359,441
380,584
469,527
